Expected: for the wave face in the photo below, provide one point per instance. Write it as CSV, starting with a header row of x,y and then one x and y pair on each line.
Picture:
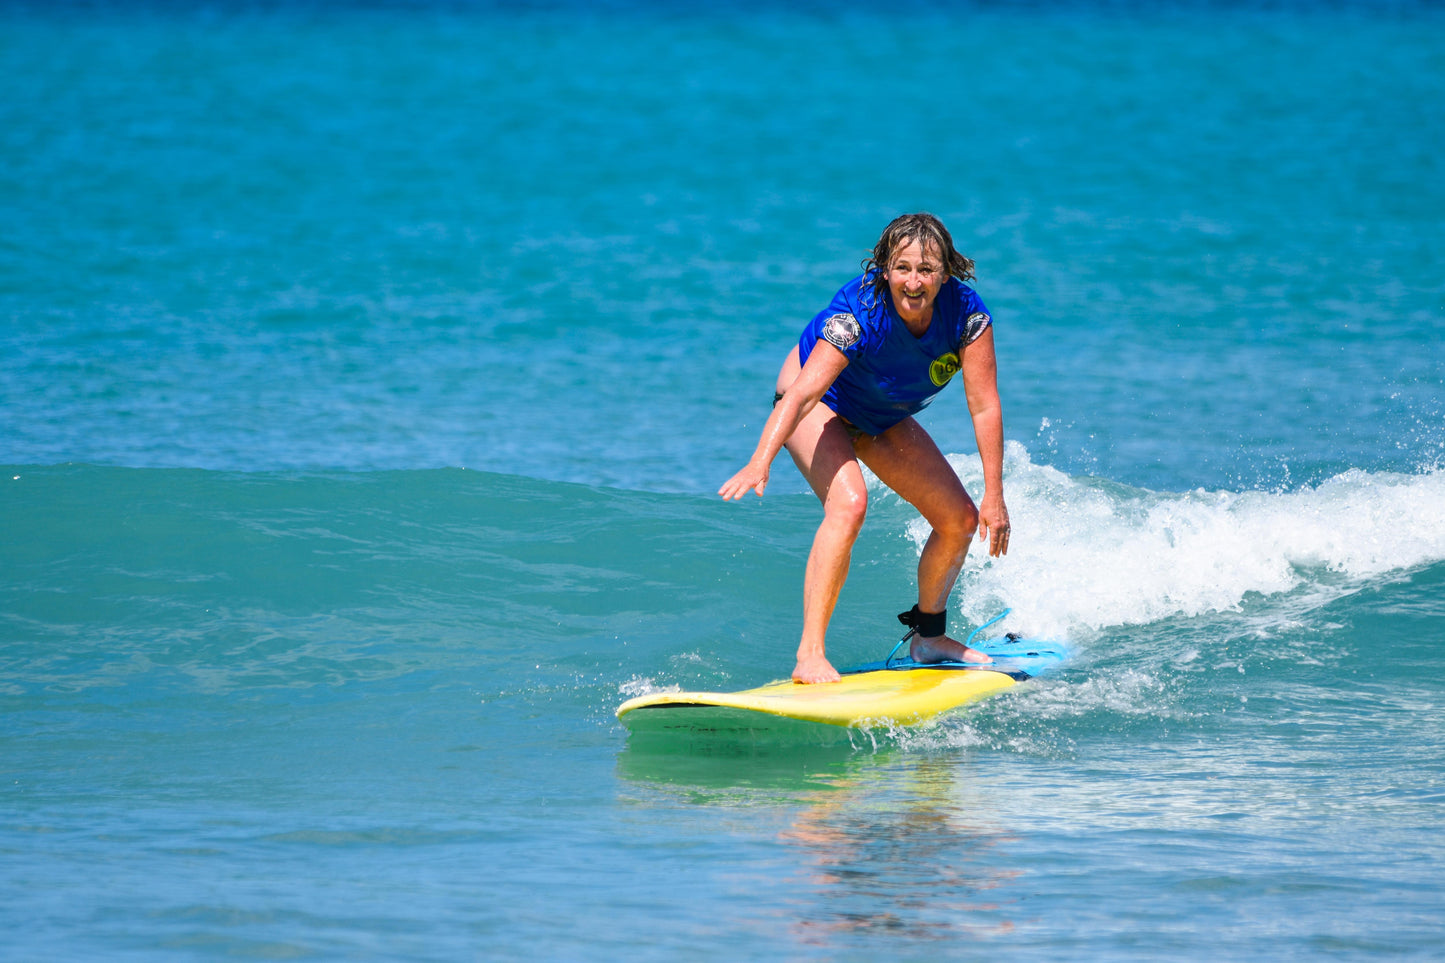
x,y
1096,556
353,563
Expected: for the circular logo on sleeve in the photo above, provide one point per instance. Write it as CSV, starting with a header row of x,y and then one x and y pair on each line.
x,y
944,367
842,331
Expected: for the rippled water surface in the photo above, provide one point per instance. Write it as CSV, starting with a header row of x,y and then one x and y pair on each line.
x,y
366,372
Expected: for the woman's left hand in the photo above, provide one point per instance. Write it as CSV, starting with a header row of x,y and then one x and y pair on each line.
x,y
993,524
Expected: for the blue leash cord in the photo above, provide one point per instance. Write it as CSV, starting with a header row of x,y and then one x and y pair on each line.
x,y
888,662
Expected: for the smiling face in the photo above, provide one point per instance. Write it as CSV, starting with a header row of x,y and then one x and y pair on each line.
x,y
915,276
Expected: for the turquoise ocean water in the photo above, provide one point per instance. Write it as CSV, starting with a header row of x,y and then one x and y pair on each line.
x,y
366,371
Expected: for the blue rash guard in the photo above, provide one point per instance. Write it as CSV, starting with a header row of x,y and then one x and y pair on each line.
x,y
891,374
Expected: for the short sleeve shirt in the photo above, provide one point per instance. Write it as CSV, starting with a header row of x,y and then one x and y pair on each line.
x,y
891,374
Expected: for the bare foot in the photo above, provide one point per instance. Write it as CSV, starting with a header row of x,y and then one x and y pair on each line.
x,y
815,669
941,648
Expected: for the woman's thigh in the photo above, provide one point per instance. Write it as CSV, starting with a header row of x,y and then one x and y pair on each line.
x,y
821,448
906,459
823,452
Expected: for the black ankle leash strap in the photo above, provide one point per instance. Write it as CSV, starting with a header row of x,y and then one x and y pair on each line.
x,y
927,624
921,622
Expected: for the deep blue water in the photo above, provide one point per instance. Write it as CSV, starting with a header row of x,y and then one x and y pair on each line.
x,y
366,372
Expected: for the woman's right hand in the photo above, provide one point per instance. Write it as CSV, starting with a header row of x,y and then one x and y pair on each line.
x,y
823,367
751,478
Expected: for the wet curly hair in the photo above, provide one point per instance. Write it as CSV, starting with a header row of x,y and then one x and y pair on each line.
x,y
926,230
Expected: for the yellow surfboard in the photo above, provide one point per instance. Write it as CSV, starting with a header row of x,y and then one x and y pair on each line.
x,y
884,697
880,694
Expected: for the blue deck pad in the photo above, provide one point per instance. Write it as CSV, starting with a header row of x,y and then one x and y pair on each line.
x,y
1013,655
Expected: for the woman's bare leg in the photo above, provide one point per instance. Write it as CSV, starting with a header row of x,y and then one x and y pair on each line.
x,y
823,452
906,460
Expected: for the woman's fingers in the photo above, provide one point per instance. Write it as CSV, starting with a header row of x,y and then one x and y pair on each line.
x,y
742,483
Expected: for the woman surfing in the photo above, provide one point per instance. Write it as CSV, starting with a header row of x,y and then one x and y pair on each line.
x,y
891,339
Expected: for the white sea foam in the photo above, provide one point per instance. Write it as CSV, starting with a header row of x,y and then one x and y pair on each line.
x,y
1088,554
640,685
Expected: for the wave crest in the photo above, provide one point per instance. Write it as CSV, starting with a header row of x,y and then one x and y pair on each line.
x,y
1088,553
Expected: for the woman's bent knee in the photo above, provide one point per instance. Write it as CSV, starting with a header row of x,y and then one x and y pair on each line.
x,y
959,524
847,508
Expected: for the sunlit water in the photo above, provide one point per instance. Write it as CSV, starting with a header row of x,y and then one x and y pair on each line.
x,y
367,372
